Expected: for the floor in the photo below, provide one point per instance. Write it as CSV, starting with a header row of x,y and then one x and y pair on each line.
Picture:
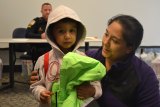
x,y
19,96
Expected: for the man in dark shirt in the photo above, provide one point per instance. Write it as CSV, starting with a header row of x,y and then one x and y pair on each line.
x,y
36,29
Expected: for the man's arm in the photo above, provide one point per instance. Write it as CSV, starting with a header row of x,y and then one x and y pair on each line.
x,y
32,29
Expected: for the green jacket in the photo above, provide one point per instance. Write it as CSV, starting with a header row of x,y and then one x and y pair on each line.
x,y
75,70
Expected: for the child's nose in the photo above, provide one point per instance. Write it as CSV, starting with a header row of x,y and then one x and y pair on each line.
x,y
68,35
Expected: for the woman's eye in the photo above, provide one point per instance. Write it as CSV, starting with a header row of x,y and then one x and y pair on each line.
x,y
115,41
106,34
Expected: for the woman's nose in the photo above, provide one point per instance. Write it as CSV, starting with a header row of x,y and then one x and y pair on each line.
x,y
106,40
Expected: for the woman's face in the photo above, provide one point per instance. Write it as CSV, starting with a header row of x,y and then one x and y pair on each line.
x,y
114,46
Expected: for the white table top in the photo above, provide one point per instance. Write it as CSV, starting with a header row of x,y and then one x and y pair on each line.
x,y
22,40
4,42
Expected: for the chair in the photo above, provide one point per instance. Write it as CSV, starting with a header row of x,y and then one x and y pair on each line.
x,y
22,48
20,33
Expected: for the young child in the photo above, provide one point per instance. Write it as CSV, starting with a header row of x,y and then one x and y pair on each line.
x,y
65,33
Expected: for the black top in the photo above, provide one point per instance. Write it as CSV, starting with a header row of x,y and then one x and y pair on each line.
x,y
36,27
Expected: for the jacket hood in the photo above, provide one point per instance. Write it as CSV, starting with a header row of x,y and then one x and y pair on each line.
x,y
62,12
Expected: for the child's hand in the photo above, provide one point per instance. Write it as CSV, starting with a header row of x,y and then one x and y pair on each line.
x,y
85,91
45,96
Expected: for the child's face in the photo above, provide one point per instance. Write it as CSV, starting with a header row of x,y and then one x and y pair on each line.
x,y
65,34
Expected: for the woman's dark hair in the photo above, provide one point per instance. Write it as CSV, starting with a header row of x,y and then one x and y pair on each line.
x,y
132,30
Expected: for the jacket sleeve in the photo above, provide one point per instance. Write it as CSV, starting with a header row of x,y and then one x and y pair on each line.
x,y
32,29
37,87
98,89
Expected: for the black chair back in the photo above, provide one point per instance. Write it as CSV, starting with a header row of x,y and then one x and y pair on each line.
x,y
20,33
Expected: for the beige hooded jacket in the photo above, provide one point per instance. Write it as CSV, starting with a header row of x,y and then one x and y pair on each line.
x,y
56,55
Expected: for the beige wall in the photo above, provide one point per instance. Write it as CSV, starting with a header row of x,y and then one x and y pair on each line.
x,y
94,14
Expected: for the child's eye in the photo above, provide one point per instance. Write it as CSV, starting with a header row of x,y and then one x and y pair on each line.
x,y
61,31
73,30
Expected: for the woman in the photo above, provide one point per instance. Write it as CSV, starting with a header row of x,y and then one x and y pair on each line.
x,y
129,81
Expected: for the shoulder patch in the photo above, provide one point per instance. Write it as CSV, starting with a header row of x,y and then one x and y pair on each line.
x,y
31,23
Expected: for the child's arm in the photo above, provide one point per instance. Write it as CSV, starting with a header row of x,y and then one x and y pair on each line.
x,y
38,87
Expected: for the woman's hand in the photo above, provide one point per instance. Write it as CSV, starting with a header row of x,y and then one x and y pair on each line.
x,y
34,77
